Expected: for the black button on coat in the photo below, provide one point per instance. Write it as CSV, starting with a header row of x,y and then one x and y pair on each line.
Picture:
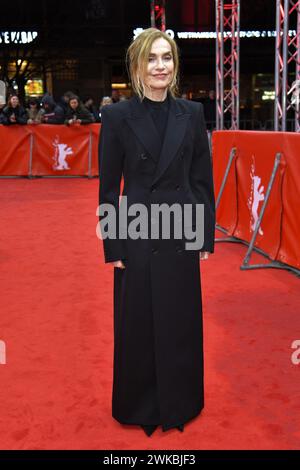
x,y
158,335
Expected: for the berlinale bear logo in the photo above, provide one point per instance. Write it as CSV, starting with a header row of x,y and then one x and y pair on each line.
x,y
256,196
60,154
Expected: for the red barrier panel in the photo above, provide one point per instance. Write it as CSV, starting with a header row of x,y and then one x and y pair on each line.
x,y
246,186
60,150
95,142
15,144
43,150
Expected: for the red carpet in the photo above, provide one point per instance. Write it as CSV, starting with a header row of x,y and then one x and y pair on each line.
x,y
56,321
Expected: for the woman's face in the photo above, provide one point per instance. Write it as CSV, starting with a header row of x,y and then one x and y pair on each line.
x,y
73,104
14,101
160,67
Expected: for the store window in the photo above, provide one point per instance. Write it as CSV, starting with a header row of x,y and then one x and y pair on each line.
x,y
34,88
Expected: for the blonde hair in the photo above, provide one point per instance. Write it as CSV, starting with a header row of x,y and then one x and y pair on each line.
x,y
137,56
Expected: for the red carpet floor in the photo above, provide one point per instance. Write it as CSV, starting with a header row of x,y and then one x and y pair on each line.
x,y
56,321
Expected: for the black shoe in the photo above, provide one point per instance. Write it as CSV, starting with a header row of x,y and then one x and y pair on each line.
x,y
149,428
180,427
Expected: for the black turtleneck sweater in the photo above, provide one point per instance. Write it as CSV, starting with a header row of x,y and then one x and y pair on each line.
x,y
159,113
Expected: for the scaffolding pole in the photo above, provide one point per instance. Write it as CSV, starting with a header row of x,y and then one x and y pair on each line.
x,y
227,62
287,59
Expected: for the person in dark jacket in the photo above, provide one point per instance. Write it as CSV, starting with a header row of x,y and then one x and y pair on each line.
x,y
2,117
157,145
89,104
210,110
52,113
77,113
14,113
64,100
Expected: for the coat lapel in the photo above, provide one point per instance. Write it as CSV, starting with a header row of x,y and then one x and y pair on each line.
x,y
142,124
144,128
175,131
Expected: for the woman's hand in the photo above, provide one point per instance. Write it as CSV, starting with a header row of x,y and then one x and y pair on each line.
x,y
118,264
204,254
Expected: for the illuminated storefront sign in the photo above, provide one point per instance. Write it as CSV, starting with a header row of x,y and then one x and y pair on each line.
x,y
212,34
268,95
34,87
17,37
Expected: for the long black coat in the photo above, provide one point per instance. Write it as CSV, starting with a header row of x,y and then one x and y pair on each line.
x,y
158,342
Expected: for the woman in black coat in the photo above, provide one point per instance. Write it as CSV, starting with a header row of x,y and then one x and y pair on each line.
x,y
159,144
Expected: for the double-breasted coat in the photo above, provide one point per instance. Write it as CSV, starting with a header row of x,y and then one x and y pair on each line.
x,y
158,334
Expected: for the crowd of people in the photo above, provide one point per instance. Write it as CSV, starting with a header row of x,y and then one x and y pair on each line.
x,y
69,110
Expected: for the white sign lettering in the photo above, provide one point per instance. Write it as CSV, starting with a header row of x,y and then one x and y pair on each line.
x,y
17,37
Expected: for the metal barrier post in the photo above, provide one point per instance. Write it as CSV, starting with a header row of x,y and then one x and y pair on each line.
x,y
273,264
90,155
